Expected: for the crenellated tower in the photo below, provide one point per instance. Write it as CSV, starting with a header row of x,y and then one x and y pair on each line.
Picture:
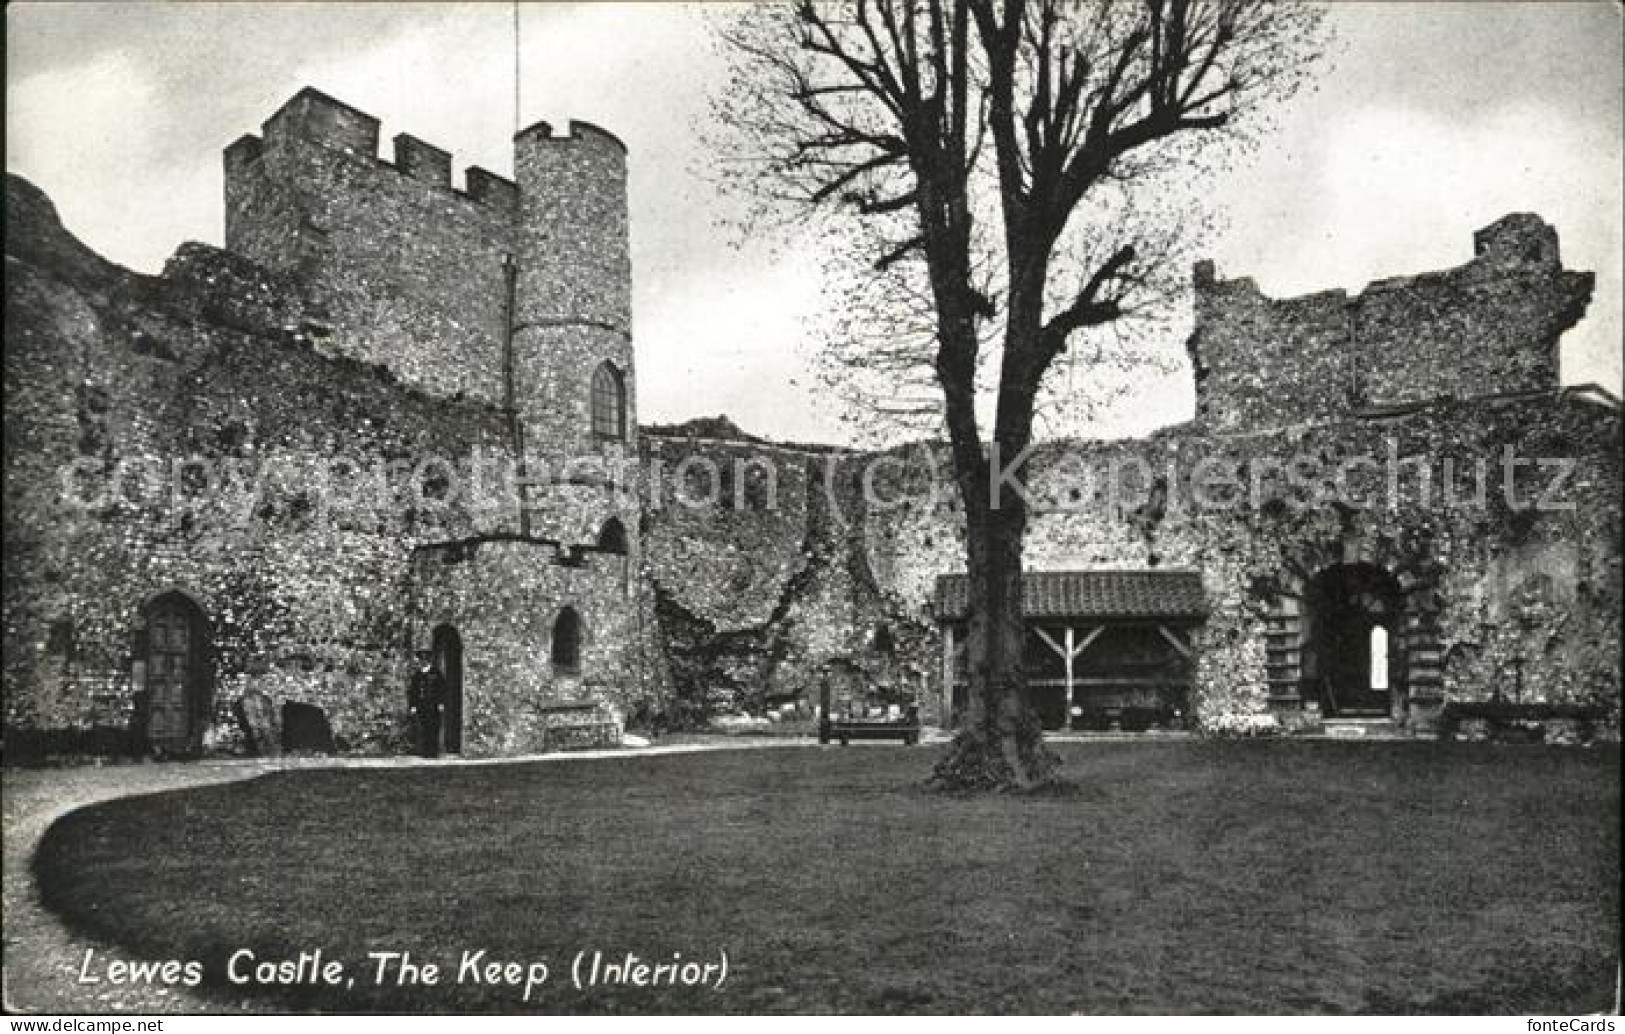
x,y
571,354
516,294
513,298
398,266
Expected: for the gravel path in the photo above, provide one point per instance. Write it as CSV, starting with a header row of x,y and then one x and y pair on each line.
x,y
42,956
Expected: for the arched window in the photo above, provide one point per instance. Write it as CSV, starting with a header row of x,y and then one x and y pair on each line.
x,y
567,641
608,403
1379,657
612,539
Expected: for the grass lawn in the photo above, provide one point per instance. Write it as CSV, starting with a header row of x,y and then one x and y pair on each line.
x,y
1299,877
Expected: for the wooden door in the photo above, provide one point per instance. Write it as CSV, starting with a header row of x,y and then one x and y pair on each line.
x,y
172,663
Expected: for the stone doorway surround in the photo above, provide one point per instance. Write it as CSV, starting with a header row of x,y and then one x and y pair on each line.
x,y
1415,657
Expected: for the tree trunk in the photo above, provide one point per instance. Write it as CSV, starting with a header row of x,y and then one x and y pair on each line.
x,y
1000,743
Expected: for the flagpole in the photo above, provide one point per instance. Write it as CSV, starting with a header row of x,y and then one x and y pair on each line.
x,y
516,66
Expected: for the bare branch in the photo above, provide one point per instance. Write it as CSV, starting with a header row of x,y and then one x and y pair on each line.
x,y
1090,308
899,253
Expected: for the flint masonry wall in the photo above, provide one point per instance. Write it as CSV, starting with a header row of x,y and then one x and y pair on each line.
x,y
406,270
760,578
504,596
1501,597
202,395
1510,599
574,293
359,317
357,330
573,312
1488,327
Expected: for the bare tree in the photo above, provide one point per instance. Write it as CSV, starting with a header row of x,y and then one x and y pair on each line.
x,y
1003,159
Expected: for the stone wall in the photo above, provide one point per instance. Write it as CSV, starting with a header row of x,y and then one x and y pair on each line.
x,y
763,587
504,596
314,408
183,432
1516,599
1514,591
573,312
406,271
1488,327
307,436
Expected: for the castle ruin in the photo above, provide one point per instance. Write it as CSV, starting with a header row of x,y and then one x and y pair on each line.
x,y
396,415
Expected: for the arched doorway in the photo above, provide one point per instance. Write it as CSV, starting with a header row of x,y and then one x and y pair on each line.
x,y
1354,623
566,646
448,661
179,675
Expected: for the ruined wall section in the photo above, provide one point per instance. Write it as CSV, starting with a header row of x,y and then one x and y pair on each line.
x,y
762,584
183,432
1503,597
1488,327
1260,362
1518,597
405,270
727,523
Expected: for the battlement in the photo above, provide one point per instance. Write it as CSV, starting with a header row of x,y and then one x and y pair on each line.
x,y
487,187
579,131
504,290
311,117
314,117
1487,327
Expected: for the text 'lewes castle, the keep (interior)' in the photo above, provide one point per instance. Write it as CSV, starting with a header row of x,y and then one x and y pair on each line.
x,y
396,415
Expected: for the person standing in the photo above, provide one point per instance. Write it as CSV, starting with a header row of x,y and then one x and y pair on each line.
x,y
427,696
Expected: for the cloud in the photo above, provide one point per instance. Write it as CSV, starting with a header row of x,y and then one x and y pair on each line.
x,y
68,131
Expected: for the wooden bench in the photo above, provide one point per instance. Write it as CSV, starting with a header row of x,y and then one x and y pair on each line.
x,y
846,730
857,692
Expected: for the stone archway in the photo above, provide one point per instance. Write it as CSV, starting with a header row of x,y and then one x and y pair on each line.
x,y
1415,661
565,648
1353,660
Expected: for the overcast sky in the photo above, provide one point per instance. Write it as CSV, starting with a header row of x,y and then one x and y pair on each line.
x,y
1435,120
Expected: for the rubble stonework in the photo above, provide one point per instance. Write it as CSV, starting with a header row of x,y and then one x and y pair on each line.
x,y
402,270
312,440
1488,327
1516,601
504,596
335,382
